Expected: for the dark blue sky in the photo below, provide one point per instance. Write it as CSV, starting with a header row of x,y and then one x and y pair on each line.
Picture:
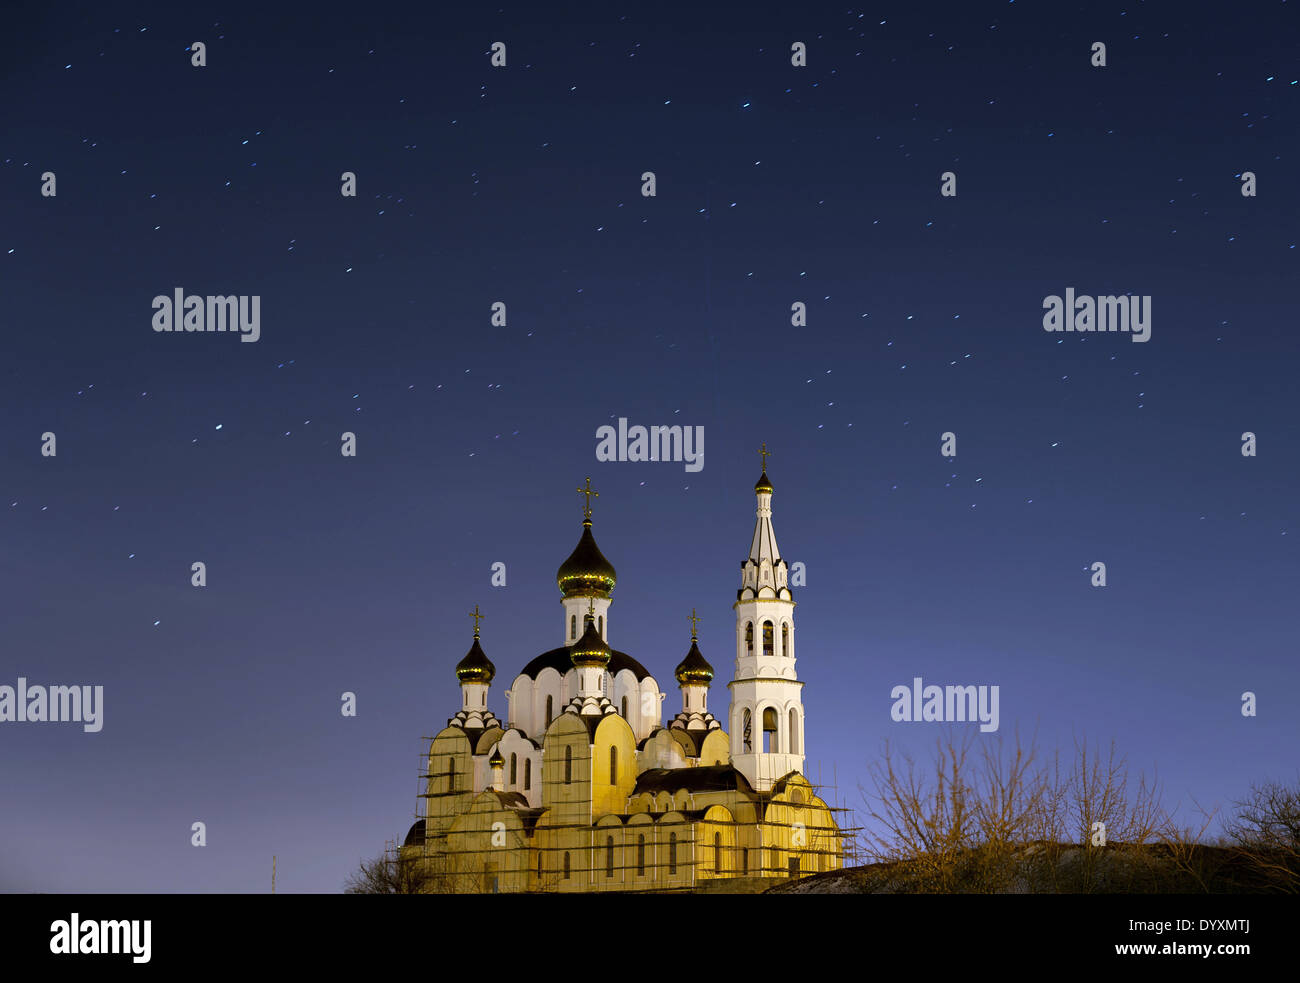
x,y
522,184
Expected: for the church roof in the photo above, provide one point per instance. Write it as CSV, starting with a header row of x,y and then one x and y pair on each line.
x,y
415,835
561,660
779,785
714,778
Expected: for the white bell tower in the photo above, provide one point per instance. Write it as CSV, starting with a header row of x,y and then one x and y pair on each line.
x,y
766,718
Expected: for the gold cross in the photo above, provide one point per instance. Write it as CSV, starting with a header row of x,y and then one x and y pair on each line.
x,y
477,617
766,453
693,620
586,509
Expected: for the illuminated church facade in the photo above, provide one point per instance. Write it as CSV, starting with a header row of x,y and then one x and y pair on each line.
x,y
584,788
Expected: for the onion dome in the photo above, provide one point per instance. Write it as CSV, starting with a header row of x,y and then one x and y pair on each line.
x,y
497,761
590,649
694,668
475,667
586,573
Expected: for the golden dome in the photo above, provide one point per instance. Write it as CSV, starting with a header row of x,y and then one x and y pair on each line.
x,y
694,668
475,667
590,649
586,573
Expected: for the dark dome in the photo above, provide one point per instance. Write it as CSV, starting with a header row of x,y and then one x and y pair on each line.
x,y
763,485
591,649
586,573
694,668
475,667
561,660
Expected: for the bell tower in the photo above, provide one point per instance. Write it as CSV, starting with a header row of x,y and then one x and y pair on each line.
x,y
766,717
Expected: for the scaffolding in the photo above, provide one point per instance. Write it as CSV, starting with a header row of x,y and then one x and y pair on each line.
x,y
574,851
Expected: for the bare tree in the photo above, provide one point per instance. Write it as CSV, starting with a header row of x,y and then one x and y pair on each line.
x,y
1266,832
960,829
391,873
1001,821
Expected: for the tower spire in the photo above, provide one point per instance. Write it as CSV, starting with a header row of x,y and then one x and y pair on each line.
x,y
763,486
766,721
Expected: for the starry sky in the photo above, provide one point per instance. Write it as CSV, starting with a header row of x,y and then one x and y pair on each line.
x,y
522,184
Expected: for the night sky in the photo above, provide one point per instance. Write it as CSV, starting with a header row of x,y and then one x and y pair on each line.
x,y
775,185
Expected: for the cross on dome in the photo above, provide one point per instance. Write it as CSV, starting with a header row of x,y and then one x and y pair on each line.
x,y
586,508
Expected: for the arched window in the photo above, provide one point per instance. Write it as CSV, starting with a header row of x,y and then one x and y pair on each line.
x,y
768,638
785,639
749,638
514,769
609,856
613,765
549,707
744,860
640,856
625,716
566,865
568,764
672,853
776,861
451,774
748,741
794,731
573,626
539,863
602,626
717,853
528,774
769,731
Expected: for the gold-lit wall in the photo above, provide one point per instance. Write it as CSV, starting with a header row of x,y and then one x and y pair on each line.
x,y
595,835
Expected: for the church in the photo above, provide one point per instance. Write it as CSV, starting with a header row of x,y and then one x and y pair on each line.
x,y
584,788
